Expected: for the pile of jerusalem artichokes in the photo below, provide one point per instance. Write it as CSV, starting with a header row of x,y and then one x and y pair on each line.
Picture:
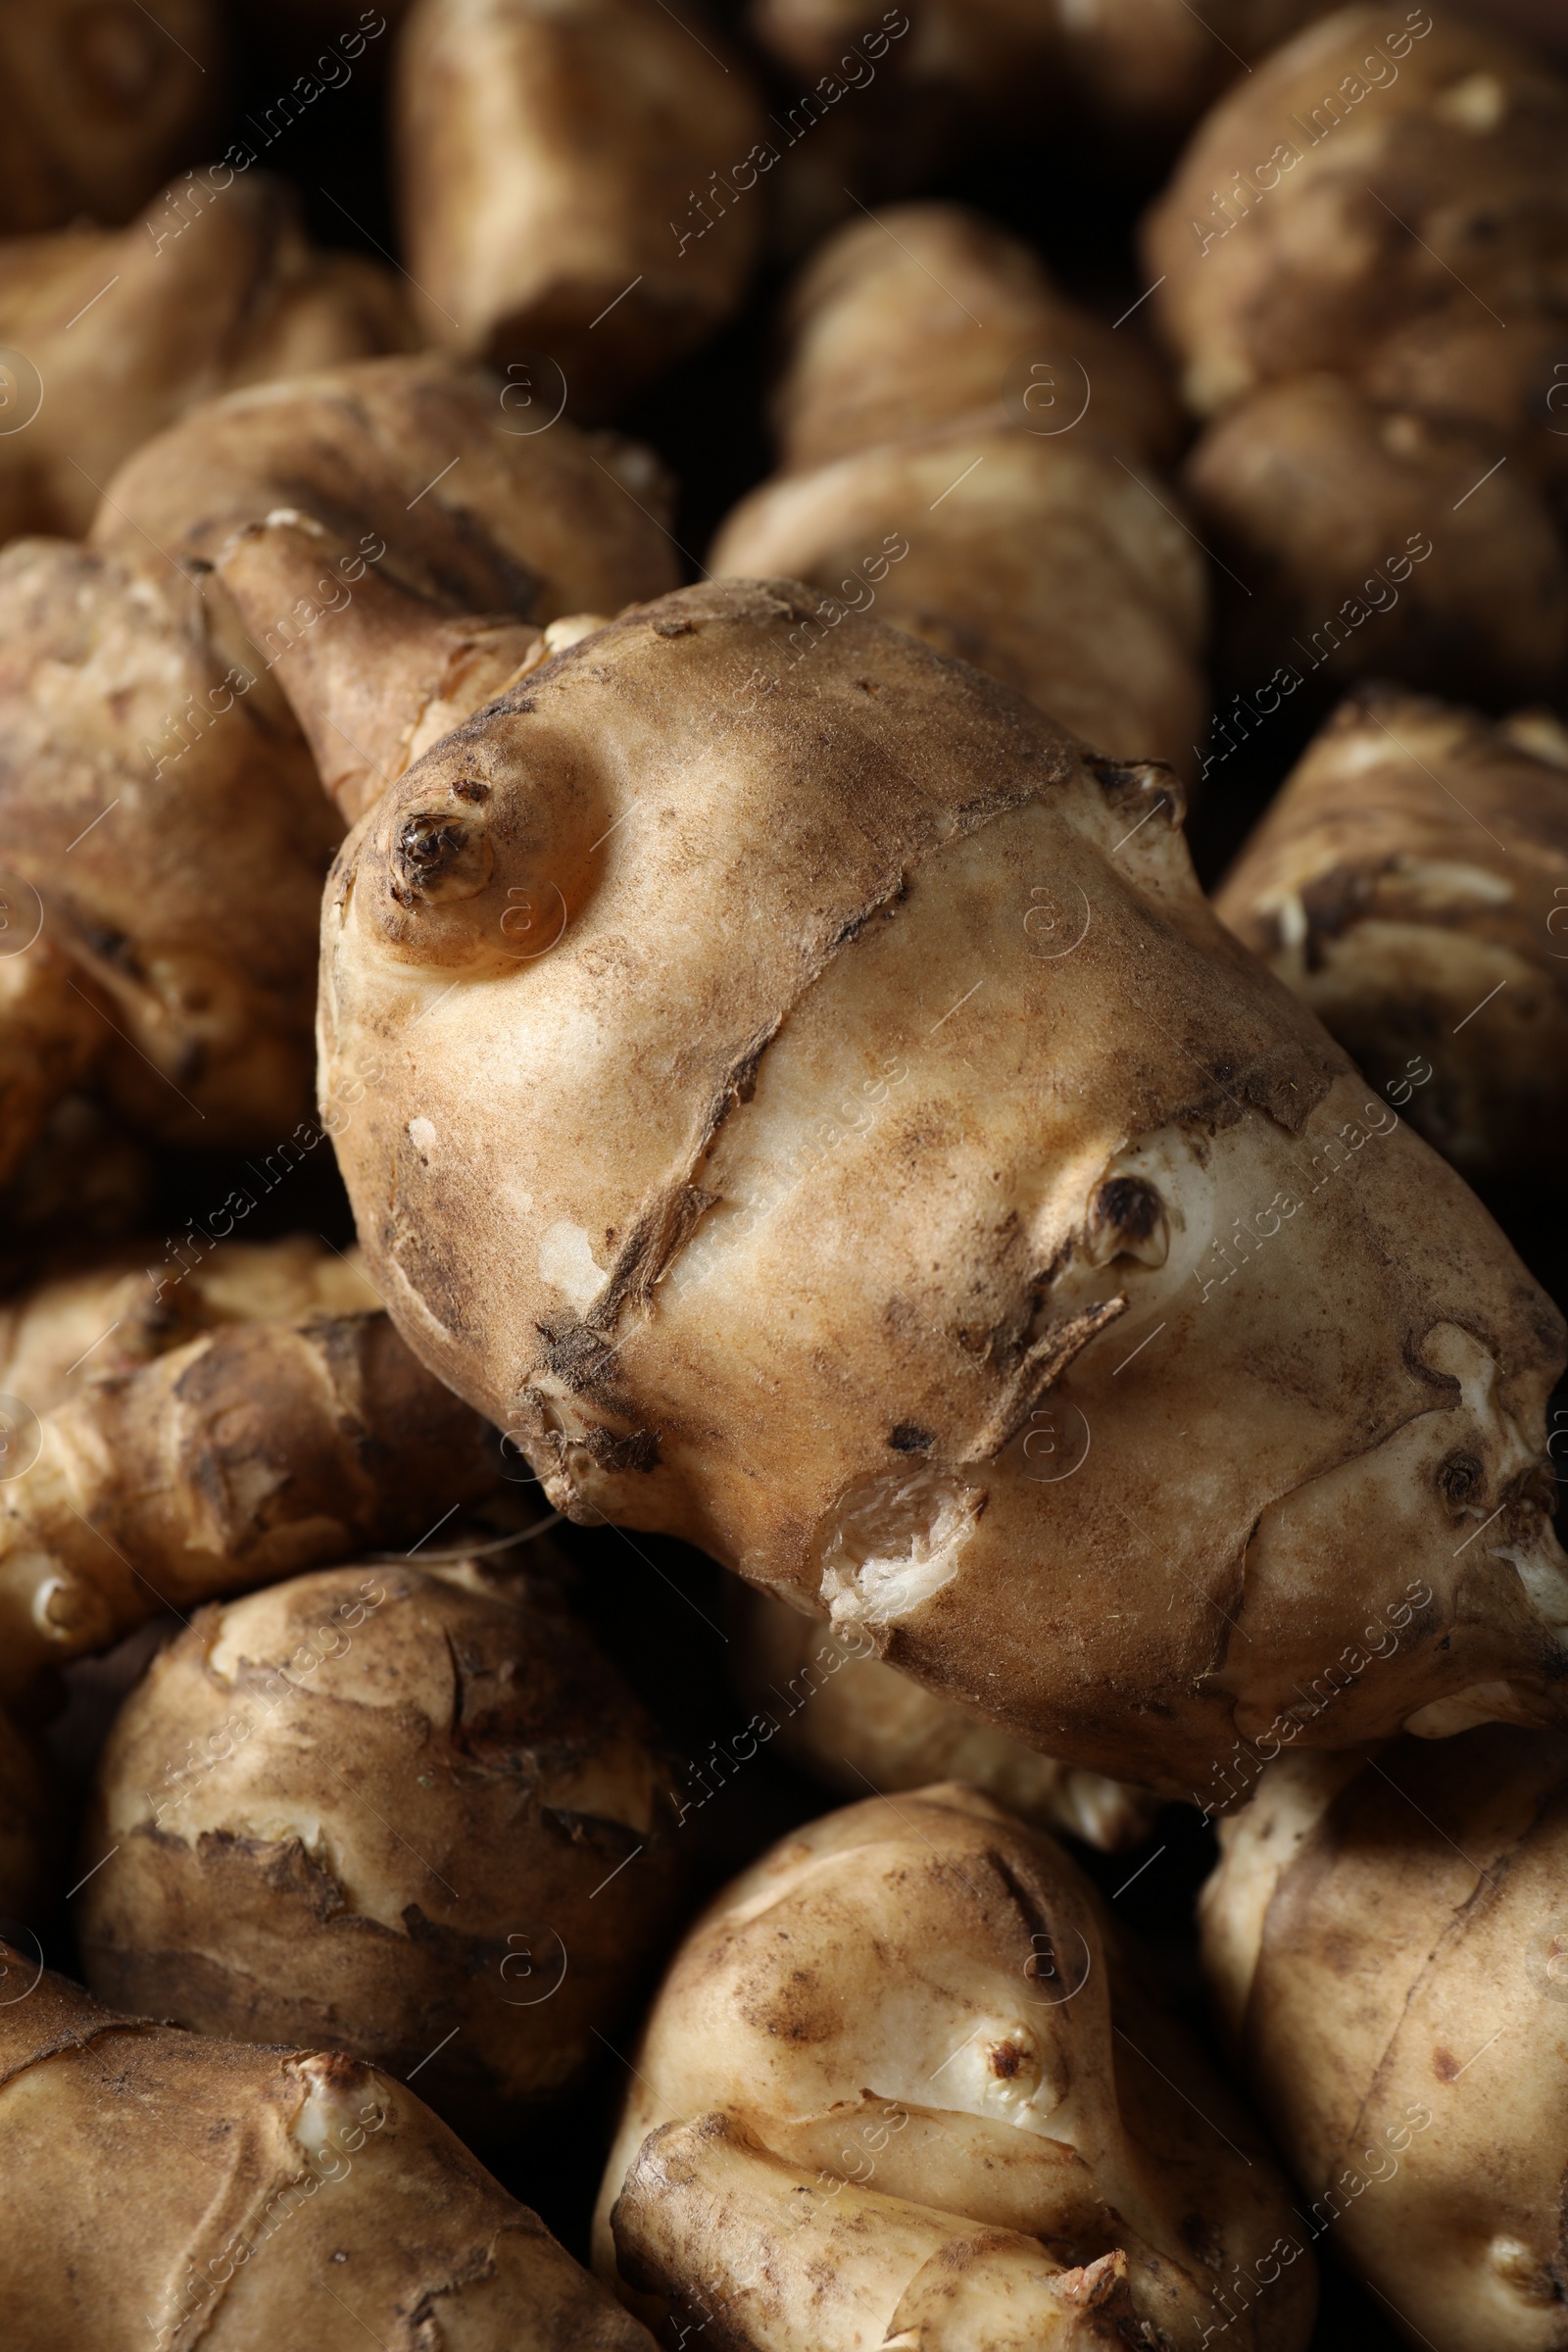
x,y
783,1139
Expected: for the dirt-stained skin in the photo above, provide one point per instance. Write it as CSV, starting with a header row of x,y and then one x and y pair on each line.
x,y
1410,882
910,2020
235,2196
375,1806
745,1021
1387,1942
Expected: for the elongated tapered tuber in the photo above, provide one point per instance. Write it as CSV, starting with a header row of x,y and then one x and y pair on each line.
x,y
988,1253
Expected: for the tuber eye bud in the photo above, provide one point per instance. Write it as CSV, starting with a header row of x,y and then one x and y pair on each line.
x,y
439,857
1127,1219
1461,1478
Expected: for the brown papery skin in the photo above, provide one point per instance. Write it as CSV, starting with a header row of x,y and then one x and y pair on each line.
x,y
1360,539
843,1714
549,155
969,452
1415,870
103,100
990,331
216,287
269,1420
293,2189
1050,564
377,1807
925,1999
1429,176
160,801
1387,1944
867,1065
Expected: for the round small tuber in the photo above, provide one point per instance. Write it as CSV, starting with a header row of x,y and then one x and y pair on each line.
x,y
380,1809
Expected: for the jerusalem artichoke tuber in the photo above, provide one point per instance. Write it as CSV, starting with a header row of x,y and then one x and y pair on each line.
x,y
987,1252
1410,882
922,2003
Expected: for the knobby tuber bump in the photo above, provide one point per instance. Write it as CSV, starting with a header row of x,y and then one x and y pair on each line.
x,y
295,1430
989,1133
379,1808
1412,883
295,2190
840,1712
967,489
103,100
566,173
216,287
1362,266
161,805
911,2043
1387,1942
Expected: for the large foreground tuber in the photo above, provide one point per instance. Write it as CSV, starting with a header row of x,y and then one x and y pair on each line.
x,y
877,1165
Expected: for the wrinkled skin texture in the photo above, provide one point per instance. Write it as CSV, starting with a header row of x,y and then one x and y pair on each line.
x,y
288,2189
1386,1943
843,1714
216,287
1049,563
147,741
1368,540
874,1077
926,1999
103,99
1430,174
546,151
265,1421
942,286
1413,869
375,1807
967,451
